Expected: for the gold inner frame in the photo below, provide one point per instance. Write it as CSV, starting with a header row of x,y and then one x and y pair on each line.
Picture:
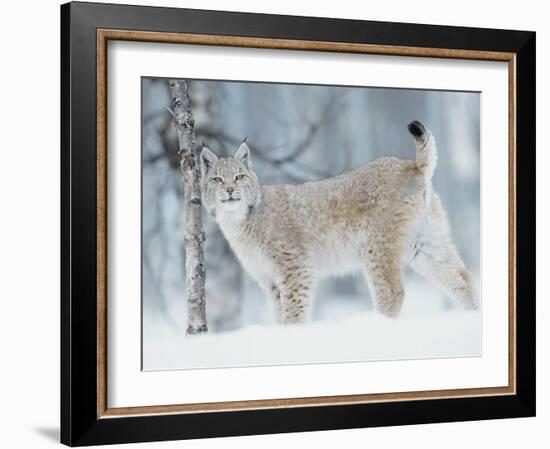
x,y
104,35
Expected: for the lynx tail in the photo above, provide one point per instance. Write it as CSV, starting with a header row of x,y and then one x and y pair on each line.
x,y
426,152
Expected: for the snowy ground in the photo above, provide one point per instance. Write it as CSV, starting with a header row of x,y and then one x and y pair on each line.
x,y
425,329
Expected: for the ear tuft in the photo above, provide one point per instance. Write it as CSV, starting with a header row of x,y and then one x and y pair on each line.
x,y
207,158
243,155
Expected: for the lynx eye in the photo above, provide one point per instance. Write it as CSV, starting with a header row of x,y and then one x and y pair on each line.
x,y
239,177
217,179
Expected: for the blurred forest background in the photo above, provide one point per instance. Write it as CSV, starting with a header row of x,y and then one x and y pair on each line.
x,y
296,133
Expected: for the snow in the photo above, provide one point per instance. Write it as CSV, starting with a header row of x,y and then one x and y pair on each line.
x,y
366,336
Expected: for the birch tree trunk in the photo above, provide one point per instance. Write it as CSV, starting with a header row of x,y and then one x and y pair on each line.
x,y
194,232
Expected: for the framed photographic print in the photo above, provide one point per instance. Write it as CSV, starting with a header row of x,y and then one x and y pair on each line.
x,y
277,224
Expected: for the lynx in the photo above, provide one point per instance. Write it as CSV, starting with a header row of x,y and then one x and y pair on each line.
x,y
376,219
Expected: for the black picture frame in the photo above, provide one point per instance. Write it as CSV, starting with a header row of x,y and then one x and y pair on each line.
x,y
80,423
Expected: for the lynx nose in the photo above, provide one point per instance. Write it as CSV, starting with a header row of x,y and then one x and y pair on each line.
x,y
230,190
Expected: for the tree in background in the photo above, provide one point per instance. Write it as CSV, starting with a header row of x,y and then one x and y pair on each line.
x,y
195,267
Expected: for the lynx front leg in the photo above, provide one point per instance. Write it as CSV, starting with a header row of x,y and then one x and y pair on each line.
x,y
295,296
273,293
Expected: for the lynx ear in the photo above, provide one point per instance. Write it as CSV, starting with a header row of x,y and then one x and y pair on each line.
x,y
243,155
207,159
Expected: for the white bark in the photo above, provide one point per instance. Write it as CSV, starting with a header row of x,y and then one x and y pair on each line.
x,y
195,268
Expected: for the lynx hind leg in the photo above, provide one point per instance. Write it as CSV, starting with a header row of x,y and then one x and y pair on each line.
x,y
295,290
438,261
384,277
443,268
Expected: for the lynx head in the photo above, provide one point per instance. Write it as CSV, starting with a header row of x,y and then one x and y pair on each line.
x,y
229,186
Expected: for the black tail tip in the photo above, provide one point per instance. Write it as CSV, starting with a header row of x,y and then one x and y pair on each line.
x,y
417,129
